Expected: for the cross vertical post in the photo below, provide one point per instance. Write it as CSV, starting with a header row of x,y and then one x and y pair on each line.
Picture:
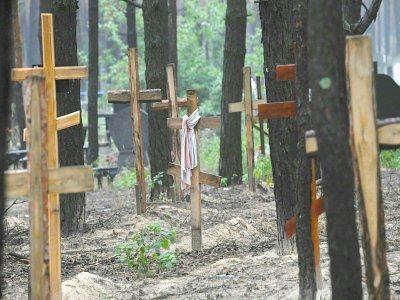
x,y
261,122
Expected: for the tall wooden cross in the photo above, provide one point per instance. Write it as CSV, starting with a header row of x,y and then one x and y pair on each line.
x,y
52,73
37,183
172,104
134,96
368,136
248,106
198,177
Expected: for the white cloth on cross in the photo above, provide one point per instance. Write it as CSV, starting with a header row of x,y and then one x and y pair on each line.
x,y
188,148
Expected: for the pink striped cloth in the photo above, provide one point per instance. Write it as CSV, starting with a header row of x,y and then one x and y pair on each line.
x,y
188,148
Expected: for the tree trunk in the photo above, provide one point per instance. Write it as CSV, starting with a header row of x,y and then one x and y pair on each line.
x,y
307,278
17,86
173,38
33,34
277,36
5,66
131,25
70,141
232,89
351,11
155,16
93,84
330,116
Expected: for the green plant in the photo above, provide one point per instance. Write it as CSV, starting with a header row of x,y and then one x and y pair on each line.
x,y
126,179
147,250
224,182
263,169
390,159
157,180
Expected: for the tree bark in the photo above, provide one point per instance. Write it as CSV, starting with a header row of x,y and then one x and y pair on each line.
x,y
155,16
173,37
330,116
131,25
307,276
230,165
17,86
70,141
93,84
277,37
5,70
351,11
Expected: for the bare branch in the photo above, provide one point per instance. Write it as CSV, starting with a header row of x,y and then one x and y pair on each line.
x,y
132,2
366,20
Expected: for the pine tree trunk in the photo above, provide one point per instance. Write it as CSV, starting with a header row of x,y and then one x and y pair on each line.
x,y
330,116
5,66
131,25
173,38
93,84
232,89
277,35
155,16
307,278
352,11
70,141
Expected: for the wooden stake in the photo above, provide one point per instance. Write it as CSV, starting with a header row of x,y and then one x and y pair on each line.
x,y
137,127
249,127
363,132
259,97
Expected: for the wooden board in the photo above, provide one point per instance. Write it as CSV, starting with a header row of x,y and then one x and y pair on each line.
x,y
389,133
61,73
165,104
205,122
364,135
123,96
285,109
239,106
249,127
285,72
205,178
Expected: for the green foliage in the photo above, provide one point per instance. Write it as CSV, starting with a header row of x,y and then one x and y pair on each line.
x,y
126,179
224,182
209,151
390,159
263,169
148,249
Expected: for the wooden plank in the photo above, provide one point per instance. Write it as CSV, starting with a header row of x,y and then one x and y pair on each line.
x,y
137,126
20,74
311,143
38,183
273,110
239,106
72,72
249,127
195,193
74,179
123,96
165,104
259,96
170,70
205,178
205,122
363,132
389,133
16,183
52,160
285,72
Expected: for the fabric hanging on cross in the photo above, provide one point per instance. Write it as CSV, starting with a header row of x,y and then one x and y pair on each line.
x,y
188,148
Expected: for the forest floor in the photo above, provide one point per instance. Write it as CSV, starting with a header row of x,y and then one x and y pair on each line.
x,y
239,259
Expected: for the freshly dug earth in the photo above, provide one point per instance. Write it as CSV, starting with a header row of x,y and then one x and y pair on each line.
x,y
239,259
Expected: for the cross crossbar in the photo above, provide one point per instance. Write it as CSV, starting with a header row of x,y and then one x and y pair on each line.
x,y
274,110
60,73
123,96
205,122
205,178
240,106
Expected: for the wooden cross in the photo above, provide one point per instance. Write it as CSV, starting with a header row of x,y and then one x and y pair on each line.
x,y
134,96
198,177
248,106
52,73
368,136
37,183
172,104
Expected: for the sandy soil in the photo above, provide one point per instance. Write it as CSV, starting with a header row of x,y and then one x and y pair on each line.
x,y
239,259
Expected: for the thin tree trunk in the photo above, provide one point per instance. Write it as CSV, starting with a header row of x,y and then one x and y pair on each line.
x,y
17,86
230,165
131,25
351,11
93,85
173,37
330,116
155,16
5,66
307,278
70,141
277,36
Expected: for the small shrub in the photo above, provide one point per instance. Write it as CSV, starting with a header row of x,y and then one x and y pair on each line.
x,y
147,250
263,170
390,159
126,179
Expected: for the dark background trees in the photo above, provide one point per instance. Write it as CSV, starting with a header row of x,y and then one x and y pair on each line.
x,y
230,165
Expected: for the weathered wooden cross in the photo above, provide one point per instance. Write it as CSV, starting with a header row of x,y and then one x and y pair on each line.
x,y
38,183
134,96
198,177
52,73
248,106
367,136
